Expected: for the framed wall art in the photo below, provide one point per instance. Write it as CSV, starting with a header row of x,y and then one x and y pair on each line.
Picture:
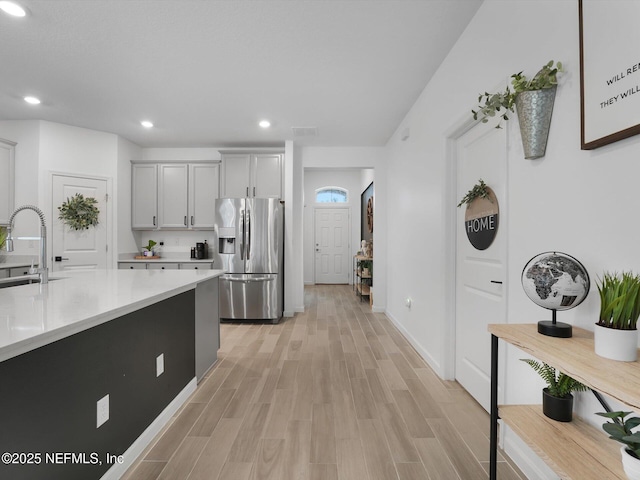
x,y
609,71
366,214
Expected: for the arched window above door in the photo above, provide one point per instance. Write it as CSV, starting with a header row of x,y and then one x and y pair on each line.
x,y
332,195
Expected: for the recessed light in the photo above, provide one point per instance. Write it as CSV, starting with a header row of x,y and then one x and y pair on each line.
x,y
12,9
32,100
146,124
264,123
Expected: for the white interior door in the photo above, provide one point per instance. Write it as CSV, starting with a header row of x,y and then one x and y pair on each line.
x,y
332,233
480,274
78,249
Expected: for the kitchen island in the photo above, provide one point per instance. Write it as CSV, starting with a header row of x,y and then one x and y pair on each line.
x,y
120,344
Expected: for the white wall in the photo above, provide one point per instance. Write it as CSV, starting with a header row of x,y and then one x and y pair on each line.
x,y
579,202
359,158
349,179
67,149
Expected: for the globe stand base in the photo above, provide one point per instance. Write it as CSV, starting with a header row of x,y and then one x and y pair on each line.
x,y
554,329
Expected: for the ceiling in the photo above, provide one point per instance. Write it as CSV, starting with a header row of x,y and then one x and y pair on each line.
x,y
206,71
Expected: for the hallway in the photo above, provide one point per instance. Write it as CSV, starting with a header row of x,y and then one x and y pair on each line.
x,y
333,393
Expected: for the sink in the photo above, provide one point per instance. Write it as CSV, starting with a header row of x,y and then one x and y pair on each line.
x,y
17,281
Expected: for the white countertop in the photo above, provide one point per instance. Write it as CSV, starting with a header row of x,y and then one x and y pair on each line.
x,y
166,260
35,315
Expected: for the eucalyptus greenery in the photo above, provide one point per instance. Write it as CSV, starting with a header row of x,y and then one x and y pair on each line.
x,y
558,384
619,300
150,245
479,190
79,213
619,430
502,103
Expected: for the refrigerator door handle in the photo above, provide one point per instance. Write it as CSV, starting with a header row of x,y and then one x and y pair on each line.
x,y
242,234
248,233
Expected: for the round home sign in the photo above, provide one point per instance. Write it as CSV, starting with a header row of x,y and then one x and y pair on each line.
x,y
481,220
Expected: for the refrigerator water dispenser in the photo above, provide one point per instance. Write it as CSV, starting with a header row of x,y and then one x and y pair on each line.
x,y
227,245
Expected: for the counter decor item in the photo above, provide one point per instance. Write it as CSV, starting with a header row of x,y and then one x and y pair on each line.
x,y
481,216
620,430
555,281
3,237
615,333
79,212
148,249
557,401
533,100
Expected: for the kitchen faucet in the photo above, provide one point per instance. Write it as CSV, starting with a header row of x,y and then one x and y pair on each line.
x,y
42,271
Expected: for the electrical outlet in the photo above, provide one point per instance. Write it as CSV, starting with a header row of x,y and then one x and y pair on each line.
x,y
159,364
407,302
102,411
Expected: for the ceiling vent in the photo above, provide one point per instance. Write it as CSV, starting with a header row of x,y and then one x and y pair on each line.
x,y
305,131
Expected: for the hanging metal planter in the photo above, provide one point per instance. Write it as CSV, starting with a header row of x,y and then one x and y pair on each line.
x,y
534,115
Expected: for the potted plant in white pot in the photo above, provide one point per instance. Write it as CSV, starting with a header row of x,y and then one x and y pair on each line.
x,y
557,400
620,430
615,333
148,249
533,99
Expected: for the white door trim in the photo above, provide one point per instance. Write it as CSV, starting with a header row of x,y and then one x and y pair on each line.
x,y
112,205
346,207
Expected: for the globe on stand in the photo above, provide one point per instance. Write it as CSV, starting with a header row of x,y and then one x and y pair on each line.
x,y
555,281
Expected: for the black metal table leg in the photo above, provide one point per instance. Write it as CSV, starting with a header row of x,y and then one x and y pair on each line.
x,y
493,435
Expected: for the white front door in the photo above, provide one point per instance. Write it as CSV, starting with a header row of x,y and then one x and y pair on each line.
x,y
332,233
78,249
480,274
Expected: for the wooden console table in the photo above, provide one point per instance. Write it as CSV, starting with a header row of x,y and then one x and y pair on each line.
x,y
574,450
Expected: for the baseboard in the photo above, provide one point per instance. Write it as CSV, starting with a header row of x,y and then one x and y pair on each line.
x,y
426,356
299,309
288,313
375,309
144,440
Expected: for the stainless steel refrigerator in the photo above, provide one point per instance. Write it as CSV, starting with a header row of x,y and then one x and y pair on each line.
x,y
251,248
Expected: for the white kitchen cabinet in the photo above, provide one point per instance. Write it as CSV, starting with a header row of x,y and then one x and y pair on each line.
x,y
196,266
144,196
176,196
162,266
7,180
204,188
251,174
173,190
132,266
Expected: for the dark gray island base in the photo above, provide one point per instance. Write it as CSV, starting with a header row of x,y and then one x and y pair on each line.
x,y
48,404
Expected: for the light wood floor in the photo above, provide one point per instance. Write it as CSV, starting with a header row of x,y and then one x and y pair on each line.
x,y
336,393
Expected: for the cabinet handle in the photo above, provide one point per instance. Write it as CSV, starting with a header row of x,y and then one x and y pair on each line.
x,y
154,220
185,220
247,191
254,191
496,281
191,220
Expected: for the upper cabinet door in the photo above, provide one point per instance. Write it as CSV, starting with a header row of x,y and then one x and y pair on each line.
x,y
266,176
172,196
235,178
204,183
144,197
7,180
